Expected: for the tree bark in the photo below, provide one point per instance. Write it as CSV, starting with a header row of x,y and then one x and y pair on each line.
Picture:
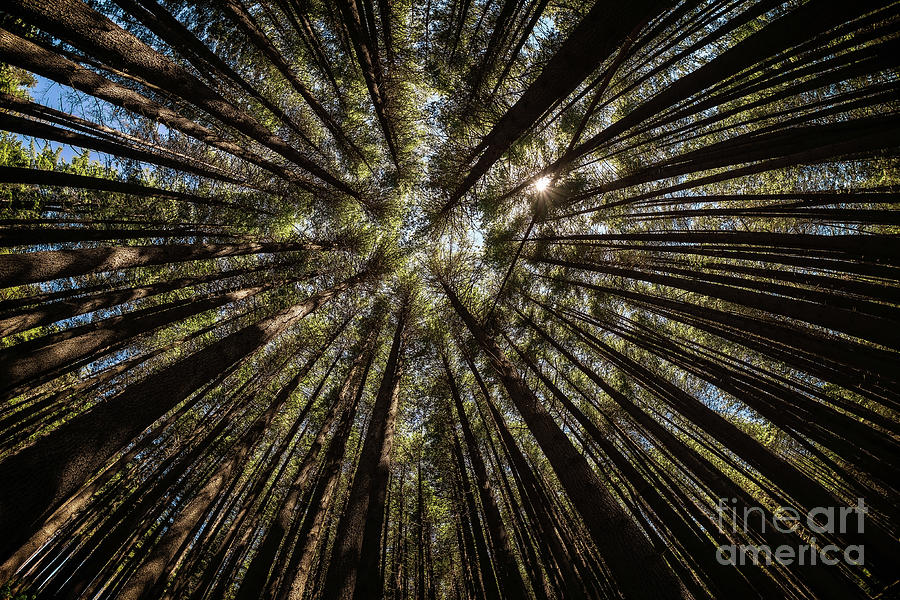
x,y
256,575
46,265
590,43
353,572
84,28
508,569
43,475
638,568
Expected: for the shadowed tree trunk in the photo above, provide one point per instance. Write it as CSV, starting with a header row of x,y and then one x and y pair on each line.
x,y
26,54
46,265
592,41
44,358
510,579
299,566
258,570
482,558
78,24
353,572
43,313
637,567
56,465
367,55
145,582
39,177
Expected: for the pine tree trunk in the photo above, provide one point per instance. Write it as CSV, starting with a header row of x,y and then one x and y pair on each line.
x,y
299,567
46,265
353,572
43,475
257,572
508,569
637,567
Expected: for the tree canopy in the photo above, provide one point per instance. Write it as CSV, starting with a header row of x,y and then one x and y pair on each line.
x,y
449,299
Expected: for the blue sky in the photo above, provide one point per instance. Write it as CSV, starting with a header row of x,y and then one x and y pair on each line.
x,y
54,95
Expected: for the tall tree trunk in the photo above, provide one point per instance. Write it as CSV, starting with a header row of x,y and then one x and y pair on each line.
x,y
88,30
508,569
43,475
482,559
36,361
28,55
637,567
85,182
420,535
579,55
43,313
530,492
141,584
46,265
720,485
257,572
299,564
353,572
369,63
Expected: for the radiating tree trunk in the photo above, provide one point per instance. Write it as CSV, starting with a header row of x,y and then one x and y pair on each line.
x,y
396,586
511,582
28,55
530,491
42,359
637,567
144,583
255,578
482,559
698,548
46,265
367,54
243,18
353,571
420,535
589,44
55,466
299,567
233,547
85,182
43,313
721,485
77,23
